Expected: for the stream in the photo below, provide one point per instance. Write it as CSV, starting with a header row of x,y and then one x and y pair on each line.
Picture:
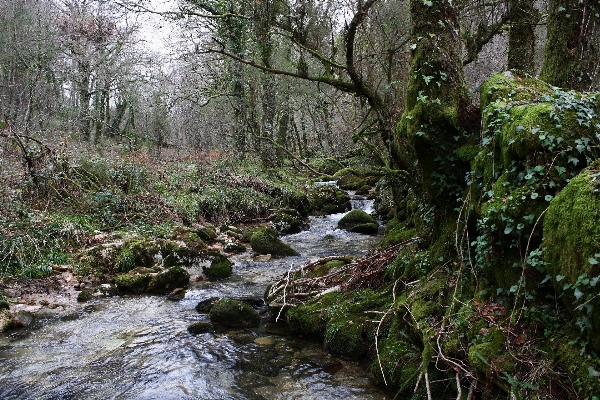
x,y
138,346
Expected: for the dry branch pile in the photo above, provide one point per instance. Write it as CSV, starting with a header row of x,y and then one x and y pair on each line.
x,y
299,285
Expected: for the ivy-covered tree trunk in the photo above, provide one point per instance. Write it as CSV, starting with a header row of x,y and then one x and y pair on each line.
x,y
521,36
438,109
572,51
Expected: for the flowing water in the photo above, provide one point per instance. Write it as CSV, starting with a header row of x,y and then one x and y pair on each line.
x,y
138,347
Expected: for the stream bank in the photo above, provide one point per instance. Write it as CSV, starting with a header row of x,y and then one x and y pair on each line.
x,y
138,346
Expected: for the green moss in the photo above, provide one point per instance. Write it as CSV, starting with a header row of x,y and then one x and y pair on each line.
x,y
200,327
234,313
220,268
326,199
263,241
572,244
350,181
134,283
481,355
345,337
312,318
84,296
582,370
169,279
328,166
287,221
506,85
358,219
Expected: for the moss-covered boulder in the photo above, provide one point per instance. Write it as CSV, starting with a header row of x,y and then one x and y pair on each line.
x,y
234,313
200,327
206,305
234,247
327,199
220,267
326,166
169,279
133,282
84,296
287,221
572,246
265,241
124,255
358,221
535,139
349,180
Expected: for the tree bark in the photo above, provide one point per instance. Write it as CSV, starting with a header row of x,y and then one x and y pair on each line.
x,y
438,108
521,36
572,51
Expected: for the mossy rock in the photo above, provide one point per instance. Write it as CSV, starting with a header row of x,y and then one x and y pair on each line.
x,y
190,237
572,245
84,296
264,242
364,190
177,294
133,283
220,268
350,181
200,327
205,306
169,279
327,166
206,233
506,85
358,221
344,337
366,229
287,221
312,317
234,313
327,199
234,247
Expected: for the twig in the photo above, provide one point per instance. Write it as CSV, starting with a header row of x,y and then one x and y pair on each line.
x,y
427,386
458,387
285,287
472,389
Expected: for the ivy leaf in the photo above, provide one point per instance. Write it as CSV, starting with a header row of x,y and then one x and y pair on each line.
x,y
534,195
548,197
593,261
508,229
577,293
519,128
573,160
559,278
413,46
535,130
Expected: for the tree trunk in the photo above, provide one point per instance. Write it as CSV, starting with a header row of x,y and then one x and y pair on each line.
x,y
521,36
438,109
572,49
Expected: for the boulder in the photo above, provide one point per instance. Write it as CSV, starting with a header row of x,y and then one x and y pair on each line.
x,y
287,221
220,267
169,279
327,199
234,313
177,294
265,241
359,221
132,282
200,327
205,306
